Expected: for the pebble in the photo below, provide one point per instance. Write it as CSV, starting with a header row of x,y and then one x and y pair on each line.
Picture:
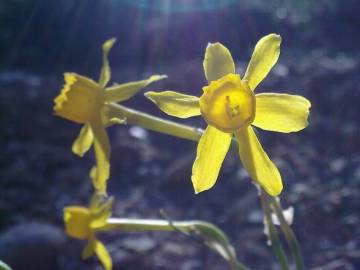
x,y
32,246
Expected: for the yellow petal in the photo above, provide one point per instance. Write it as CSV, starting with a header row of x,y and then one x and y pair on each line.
x,y
122,92
80,99
84,141
102,155
281,112
101,210
105,74
264,57
218,62
256,162
89,249
93,177
103,255
211,151
175,104
77,221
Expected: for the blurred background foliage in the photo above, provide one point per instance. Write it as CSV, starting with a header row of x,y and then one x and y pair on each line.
x,y
57,35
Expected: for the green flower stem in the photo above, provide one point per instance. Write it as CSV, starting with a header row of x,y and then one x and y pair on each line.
x,y
212,236
4,266
273,234
155,123
138,225
288,233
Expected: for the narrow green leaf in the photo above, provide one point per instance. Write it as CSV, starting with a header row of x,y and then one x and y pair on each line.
x,y
4,266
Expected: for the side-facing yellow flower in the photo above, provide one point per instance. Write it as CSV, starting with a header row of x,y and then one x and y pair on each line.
x,y
85,101
229,106
82,223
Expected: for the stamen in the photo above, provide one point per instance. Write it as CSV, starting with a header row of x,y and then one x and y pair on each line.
x,y
231,111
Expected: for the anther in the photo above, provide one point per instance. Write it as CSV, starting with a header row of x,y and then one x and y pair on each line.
x,y
232,111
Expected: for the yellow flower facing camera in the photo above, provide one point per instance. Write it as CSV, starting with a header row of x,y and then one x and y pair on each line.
x,y
230,106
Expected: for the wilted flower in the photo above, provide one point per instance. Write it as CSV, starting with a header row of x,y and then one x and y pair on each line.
x,y
229,106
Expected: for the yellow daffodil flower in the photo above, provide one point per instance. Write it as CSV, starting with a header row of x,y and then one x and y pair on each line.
x,y
229,106
84,101
82,223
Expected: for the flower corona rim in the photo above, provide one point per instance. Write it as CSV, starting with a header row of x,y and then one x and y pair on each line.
x,y
228,103
80,99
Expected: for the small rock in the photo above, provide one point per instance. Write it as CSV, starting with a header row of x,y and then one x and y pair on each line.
x,y
281,70
255,216
191,265
338,165
138,132
139,245
32,246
